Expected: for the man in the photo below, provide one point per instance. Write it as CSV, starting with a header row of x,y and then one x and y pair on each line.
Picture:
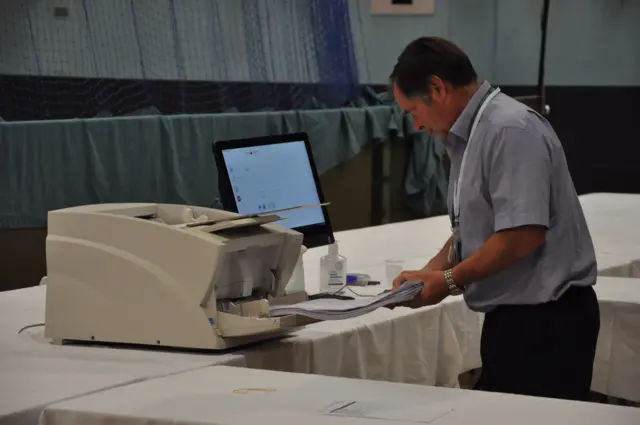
x,y
520,249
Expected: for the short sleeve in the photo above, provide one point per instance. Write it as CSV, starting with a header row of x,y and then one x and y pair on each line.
x,y
519,174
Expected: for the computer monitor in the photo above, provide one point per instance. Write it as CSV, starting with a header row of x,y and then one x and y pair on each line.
x,y
271,173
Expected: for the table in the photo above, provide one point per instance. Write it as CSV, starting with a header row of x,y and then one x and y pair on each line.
x,y
215,396
432,345
35,373
617,364
613,222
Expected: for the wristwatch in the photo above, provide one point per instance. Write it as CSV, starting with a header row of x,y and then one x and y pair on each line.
x,y
453,288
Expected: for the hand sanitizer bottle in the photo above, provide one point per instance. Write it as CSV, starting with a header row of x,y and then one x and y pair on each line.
x,y
333,270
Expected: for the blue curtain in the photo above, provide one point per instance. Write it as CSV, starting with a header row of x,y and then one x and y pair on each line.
x,y
334,49
125,57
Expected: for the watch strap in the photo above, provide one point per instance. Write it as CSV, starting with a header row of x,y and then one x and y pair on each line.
x,y
451,283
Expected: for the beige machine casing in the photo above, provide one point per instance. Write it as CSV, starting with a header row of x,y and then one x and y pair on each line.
x,y
136,274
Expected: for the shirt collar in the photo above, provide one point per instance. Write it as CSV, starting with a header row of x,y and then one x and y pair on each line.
x,y
461,126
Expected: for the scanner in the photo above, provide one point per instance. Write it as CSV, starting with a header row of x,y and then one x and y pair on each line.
x,y
168,275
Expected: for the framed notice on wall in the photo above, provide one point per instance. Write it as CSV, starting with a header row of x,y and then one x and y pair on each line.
x,y
403,7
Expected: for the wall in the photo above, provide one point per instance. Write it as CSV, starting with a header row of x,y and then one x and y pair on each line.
x,y
590,42
380,39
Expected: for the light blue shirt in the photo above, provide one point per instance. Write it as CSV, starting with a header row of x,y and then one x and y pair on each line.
x,y
516,174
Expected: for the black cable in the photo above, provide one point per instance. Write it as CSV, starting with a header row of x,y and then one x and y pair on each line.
x,y
543,48
35,325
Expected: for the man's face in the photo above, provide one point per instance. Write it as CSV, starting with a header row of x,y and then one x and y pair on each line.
x,y
430,115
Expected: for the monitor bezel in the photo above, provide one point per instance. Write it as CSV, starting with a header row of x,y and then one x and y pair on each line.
x,y
314,235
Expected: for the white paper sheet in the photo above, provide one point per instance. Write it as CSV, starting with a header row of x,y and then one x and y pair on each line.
x,y
367,410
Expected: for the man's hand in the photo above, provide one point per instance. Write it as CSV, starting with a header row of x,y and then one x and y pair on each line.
x,y
434,290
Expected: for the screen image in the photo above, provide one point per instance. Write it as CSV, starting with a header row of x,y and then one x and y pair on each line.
x,y
272,177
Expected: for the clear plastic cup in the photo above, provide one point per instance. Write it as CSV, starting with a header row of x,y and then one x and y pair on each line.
x,y
393,268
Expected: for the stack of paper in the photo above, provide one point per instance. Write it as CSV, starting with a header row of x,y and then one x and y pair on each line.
x,y
334,309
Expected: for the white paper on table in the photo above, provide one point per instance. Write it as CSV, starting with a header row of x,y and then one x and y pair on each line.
x,y
423,414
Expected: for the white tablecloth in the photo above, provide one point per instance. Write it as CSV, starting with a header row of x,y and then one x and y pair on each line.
x,y
614,224
35,373
425,346
207,397
617,365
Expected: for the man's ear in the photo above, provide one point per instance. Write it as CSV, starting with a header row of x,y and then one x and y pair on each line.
x,y
438,88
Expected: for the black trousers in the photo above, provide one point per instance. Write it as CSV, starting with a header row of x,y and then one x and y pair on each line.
x,y
543,350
